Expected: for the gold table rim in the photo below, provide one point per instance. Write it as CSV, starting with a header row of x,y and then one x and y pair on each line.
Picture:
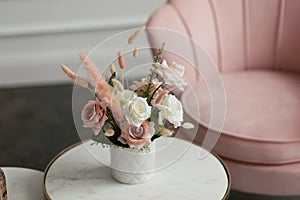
x,y
47,197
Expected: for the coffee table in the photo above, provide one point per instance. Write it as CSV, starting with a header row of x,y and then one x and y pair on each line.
x,y
76,173
23,183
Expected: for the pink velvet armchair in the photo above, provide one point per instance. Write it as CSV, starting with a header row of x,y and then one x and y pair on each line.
x,y
256,47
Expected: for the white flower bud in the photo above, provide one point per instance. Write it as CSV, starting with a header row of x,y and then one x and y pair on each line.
x,y
109,132
118,85
188,125
166,132
136,52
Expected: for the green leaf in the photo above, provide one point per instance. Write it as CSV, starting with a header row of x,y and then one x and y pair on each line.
x,y
111,78
155,137
101,138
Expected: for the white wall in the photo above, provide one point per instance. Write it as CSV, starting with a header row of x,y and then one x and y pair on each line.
x,y
37,36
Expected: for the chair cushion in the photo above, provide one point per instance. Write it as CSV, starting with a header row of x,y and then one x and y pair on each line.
x,y
280,180
262,123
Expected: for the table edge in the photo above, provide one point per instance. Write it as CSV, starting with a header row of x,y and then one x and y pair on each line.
x,y
22,168
46,195
227,193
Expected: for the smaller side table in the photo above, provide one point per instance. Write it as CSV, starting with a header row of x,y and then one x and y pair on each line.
x,y
23,183
76,174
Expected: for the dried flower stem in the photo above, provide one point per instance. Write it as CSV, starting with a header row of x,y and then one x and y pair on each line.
x,y
136,34
77,79
109,113
158,56
149,99
121,60
157,59
92,70
113,69
136,52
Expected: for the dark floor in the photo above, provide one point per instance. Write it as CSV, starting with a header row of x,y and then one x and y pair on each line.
x,y
37,123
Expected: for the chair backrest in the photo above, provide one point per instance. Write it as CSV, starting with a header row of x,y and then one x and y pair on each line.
x,y
238,34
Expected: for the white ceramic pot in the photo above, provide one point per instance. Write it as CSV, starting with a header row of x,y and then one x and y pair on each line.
x,y
132,166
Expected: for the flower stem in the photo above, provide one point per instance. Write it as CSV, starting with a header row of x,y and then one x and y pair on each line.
x,y
158,56
149,99
157,59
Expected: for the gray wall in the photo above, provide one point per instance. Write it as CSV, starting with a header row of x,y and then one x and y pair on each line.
x,y
37,36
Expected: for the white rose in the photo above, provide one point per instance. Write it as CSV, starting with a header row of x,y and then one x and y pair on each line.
x,y
172,75
136,111
125,96
171,110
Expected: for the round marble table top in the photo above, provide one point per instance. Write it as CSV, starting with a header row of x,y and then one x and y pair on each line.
x,y
76,174
23,183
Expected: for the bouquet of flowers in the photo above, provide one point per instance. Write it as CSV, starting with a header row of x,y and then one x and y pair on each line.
x,y
134,117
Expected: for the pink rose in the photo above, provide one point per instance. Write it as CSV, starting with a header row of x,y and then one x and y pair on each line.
x,y
137,137
162,95
94,116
